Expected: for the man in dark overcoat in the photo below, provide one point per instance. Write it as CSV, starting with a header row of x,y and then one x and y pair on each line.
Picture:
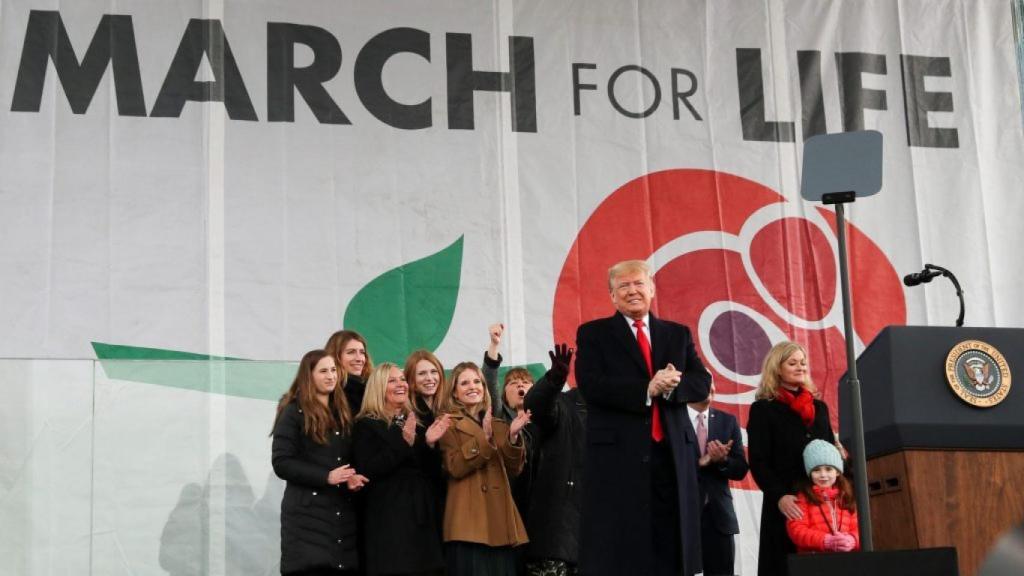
x,y
640,510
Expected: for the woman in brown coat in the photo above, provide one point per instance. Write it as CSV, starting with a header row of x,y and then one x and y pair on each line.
x,y
481,523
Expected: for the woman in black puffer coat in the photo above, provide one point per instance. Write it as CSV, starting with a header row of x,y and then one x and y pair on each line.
x,y
311,452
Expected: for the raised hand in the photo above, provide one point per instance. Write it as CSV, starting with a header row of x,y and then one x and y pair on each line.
x,y
409,429
561,357
437,429
495,331
521,420
340,474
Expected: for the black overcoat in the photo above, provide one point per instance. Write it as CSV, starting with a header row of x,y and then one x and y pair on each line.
x,y
613,378
553,518
399,503
318,521
777,438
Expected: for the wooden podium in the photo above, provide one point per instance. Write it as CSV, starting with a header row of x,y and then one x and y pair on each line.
x,y
941,472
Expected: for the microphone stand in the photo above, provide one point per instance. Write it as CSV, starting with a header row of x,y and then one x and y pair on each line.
x,y
959,291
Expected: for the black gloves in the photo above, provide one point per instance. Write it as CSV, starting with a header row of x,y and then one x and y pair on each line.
x,y
561,356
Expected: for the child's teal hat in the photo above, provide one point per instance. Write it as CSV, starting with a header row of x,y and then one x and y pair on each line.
x,y
821,453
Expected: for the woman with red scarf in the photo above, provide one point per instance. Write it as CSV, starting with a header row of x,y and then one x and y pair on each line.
x,y
783,420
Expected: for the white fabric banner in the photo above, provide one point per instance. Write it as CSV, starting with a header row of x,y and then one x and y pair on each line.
x,y
186,180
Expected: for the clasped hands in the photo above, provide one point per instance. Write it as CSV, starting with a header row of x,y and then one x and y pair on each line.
x,y
664,381
347,475
840,542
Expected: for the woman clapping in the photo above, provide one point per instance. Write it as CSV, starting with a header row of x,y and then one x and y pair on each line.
x,y
481,522
394,451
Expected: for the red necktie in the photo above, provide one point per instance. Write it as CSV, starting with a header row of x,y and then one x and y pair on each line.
x,y
645,350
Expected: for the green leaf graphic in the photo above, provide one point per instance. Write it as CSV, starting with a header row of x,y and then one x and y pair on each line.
x,y
409,307
200,372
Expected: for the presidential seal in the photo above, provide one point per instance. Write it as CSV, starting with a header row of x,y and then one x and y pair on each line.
x,y
978,373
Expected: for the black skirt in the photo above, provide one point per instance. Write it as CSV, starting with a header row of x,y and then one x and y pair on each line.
x,y
471,559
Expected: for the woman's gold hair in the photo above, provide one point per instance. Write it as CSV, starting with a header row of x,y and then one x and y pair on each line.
x,y
771,370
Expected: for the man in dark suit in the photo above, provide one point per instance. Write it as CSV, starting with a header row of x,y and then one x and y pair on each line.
x,y
640,509
721,459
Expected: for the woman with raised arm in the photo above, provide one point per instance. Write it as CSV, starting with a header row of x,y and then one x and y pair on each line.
x,y
508,403
481,523
395,452
553,517
784,418
352,356
311,453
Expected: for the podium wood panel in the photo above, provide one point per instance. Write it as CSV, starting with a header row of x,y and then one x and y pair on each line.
x,y
932,498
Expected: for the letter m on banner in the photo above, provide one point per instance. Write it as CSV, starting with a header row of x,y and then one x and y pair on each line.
x,y
46,39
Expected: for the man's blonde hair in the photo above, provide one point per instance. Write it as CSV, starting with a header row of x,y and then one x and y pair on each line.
x,y
627,267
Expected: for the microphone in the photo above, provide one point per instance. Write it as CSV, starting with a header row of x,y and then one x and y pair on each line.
x,y
931,271
923,277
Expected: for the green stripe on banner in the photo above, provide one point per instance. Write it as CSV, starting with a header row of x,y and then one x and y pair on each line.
x,y
199,372
216,374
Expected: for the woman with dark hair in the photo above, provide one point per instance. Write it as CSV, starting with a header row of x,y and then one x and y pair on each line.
x,y
395,452
481,523
350,353
508,403
784,418
311,453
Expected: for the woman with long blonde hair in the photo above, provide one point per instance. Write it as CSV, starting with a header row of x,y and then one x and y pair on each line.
x,y
394,450
784,418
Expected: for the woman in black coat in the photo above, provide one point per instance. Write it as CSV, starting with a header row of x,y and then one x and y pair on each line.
x,y
396,454
311,453
783,420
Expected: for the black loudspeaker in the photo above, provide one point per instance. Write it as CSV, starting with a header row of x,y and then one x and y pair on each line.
x,y
925,562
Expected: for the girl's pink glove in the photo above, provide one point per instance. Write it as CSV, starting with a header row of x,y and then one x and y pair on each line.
x,y
833,542
847,542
